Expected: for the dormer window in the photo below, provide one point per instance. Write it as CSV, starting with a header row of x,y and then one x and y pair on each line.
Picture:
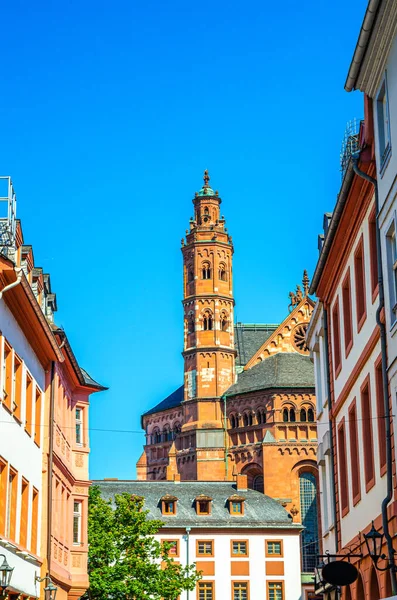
x,y
203,505
236,505
168,505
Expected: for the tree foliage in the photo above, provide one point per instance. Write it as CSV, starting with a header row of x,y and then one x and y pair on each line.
x,y
125,561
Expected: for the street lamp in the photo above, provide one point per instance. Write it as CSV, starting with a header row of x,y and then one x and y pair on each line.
x,y
374,541
50,590
5,575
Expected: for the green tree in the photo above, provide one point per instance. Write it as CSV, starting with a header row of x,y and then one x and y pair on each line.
x,y
125,561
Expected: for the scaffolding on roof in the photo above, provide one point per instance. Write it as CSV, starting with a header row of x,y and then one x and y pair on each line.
x,y
350,143
8,219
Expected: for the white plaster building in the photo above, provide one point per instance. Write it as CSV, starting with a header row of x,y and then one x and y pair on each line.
x,y
250,555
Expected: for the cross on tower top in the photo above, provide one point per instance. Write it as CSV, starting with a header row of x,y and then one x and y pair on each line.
x,y
206,178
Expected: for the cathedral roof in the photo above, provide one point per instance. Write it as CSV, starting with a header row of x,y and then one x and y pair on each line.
x,y
282,370
173,400
259,510
249,337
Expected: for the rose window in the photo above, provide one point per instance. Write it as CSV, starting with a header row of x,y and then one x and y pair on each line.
x,y
299,338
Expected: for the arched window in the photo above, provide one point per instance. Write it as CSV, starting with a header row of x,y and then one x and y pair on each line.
x,y
257,483
310,415
206,211
237,421
250,419
292,415
263,417
206,270
222,272
245,420
308,506
190,274
166,434
190,324
285,415
156,436
207,321
177,428
232,421
303,415
224,322
259,417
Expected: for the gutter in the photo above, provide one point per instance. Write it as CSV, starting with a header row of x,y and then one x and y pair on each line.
x,y
333,227
362,44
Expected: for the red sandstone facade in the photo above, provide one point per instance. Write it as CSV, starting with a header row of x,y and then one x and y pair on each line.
x,y
261,422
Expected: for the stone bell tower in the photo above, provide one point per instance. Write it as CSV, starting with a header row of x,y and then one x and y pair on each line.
x,y
209,353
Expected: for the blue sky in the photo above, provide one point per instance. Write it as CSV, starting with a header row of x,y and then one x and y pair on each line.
x,y
110,113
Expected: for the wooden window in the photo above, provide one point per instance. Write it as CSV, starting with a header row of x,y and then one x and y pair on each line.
x,y
373,255
3,495
203,506
168,506
391,253
354,455
236,507
29,404
37,411
366,415
23,531
380,413
239,547
7,375
342,479
347,314
35,516
11,504
17,401
173,549
79,426
205,590
240,590
359,275
275,590
336,340
274,548
77,509
205,548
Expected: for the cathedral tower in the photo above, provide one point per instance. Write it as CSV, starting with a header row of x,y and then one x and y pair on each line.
x,y
209,353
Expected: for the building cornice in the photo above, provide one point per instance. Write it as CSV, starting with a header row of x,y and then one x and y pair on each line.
x,y
377,33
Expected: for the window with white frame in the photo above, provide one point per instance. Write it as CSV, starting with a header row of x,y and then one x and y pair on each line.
x,y
77,522
383,122
324,496
79,426
391,249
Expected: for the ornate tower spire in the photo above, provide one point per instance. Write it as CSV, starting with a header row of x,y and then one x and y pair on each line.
x,y
209,324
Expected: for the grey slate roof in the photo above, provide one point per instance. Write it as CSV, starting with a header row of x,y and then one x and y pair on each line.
x,y
282,370
249,337
88,380
172,401
259,510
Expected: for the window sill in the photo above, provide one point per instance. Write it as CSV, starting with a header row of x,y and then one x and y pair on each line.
x,y
361,321
375,293
370,485
348,348
393,327
385,159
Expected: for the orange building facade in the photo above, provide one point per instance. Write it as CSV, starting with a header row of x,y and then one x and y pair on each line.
x,y
44,444
247,404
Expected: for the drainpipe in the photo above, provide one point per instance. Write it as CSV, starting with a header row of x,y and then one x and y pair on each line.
x,y
224,397
383,343
330,424
187,554
50,466
13,284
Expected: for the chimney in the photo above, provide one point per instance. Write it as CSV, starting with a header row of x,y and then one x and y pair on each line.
x,y
241,482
